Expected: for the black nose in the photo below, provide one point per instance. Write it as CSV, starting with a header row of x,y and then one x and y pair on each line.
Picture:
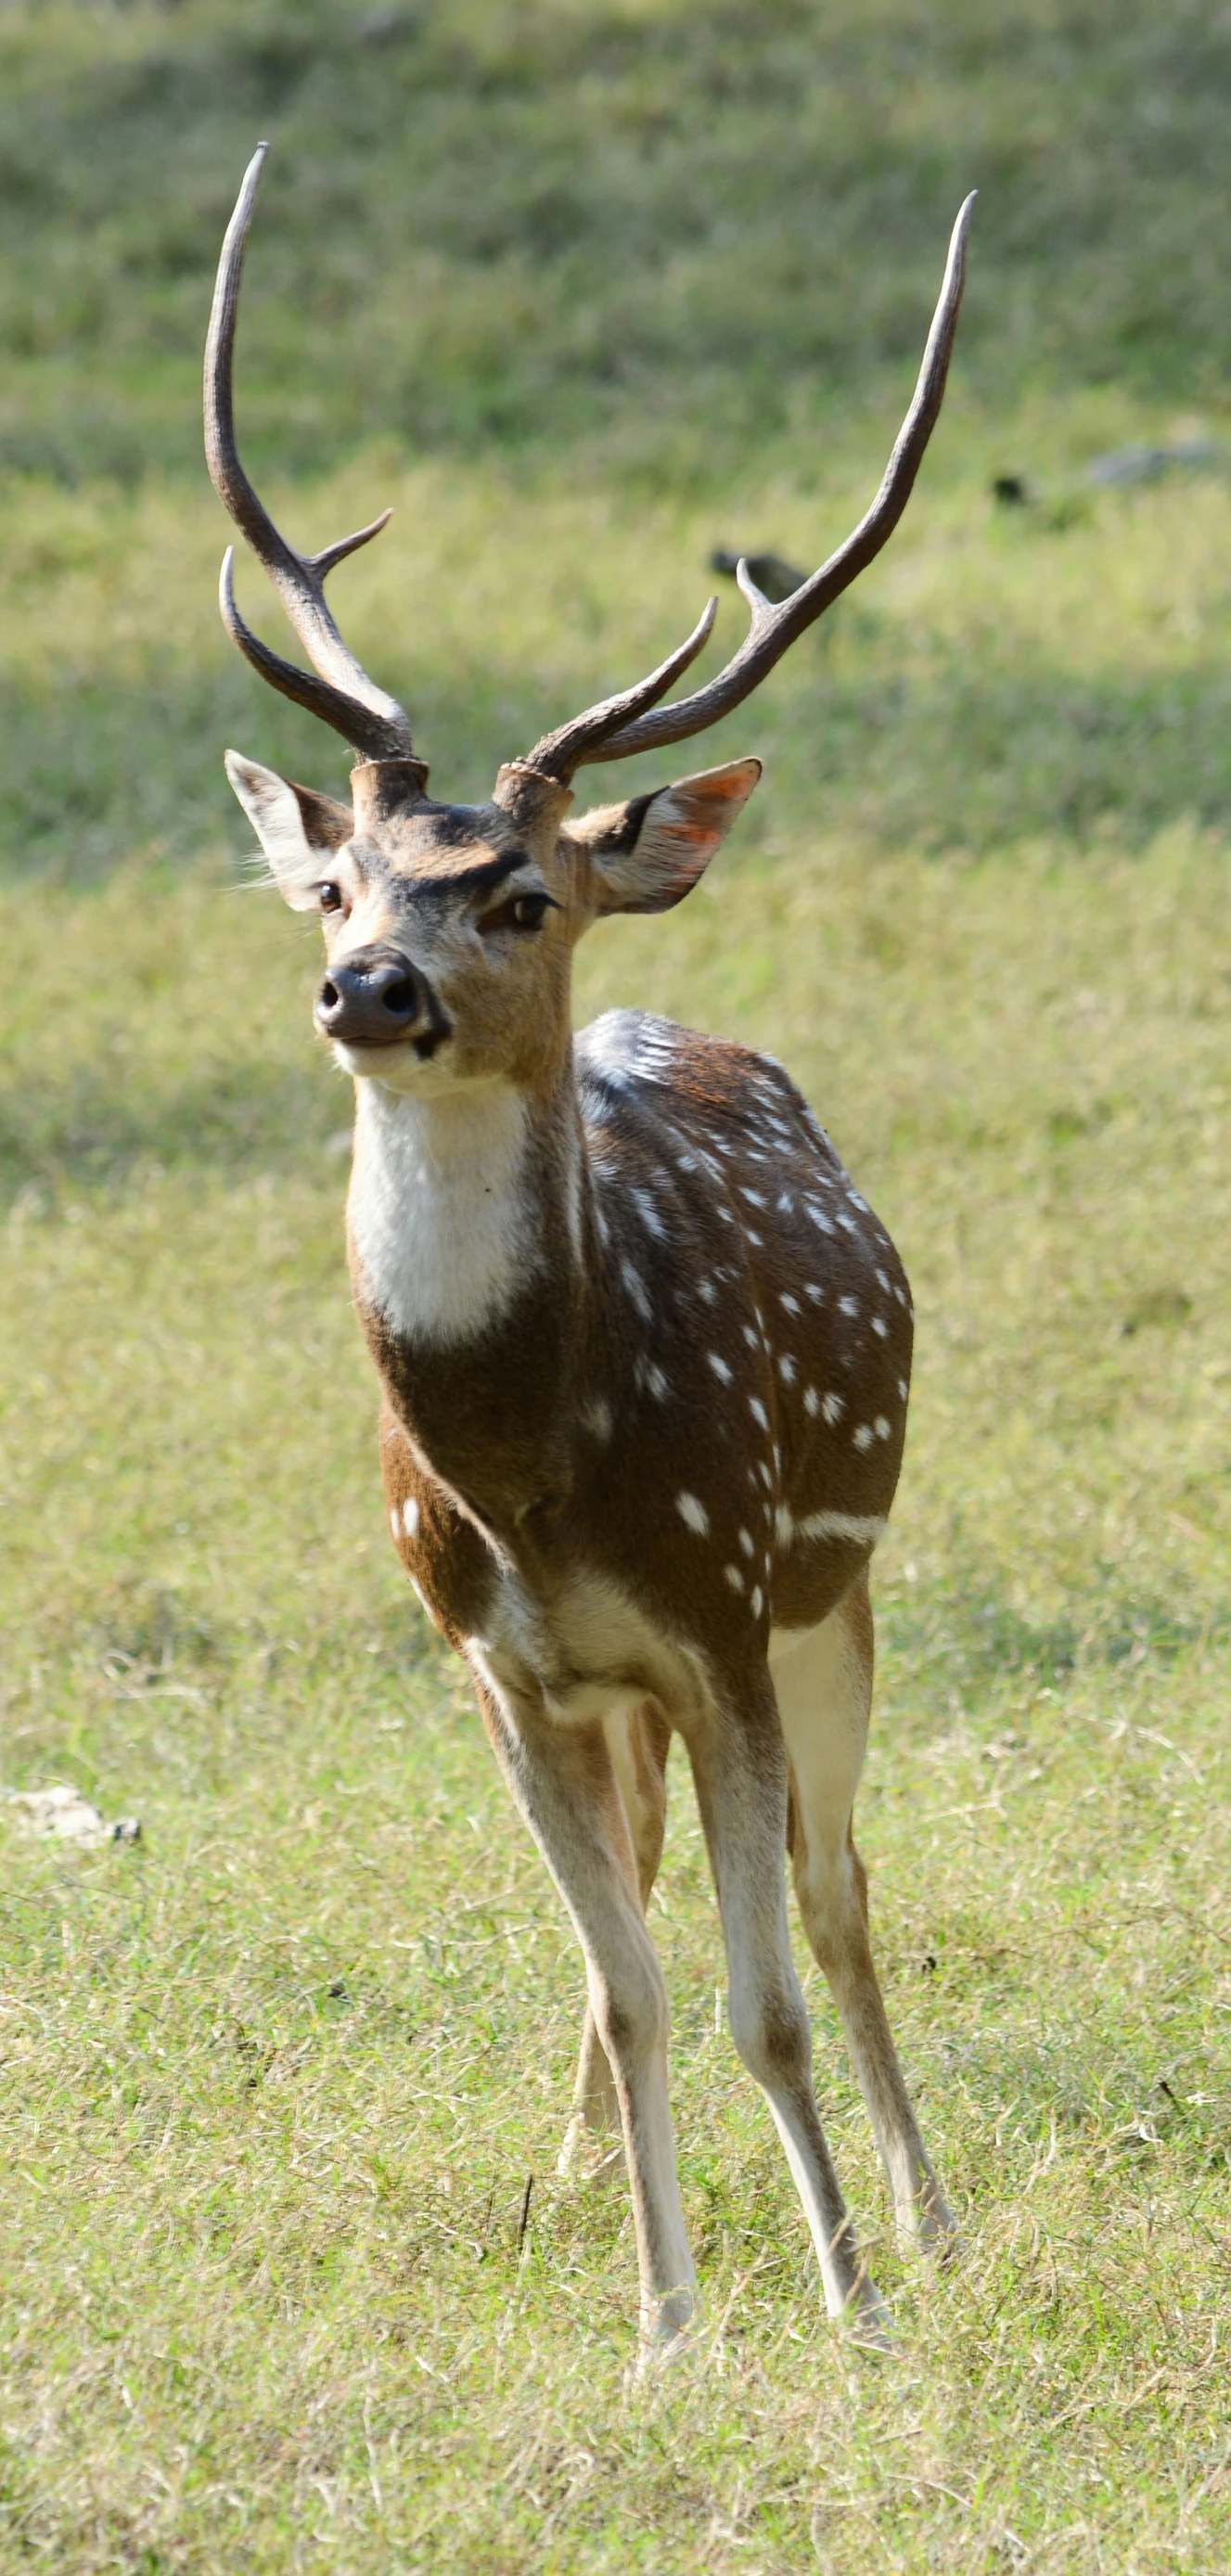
x,y
374,999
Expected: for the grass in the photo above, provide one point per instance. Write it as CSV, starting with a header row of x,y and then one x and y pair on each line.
x,y
274,2081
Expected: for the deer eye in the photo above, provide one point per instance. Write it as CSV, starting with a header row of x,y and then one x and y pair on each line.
x,y
330,896
521,912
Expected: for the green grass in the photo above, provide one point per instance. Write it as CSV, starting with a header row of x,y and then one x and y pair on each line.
x,y
273,2082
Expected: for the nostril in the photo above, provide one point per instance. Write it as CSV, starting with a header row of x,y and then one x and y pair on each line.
x,y
328,996
399,998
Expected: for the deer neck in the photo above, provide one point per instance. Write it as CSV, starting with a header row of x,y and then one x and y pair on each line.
x,y
460,1203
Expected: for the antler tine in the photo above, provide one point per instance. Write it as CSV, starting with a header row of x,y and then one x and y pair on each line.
x,y
558,754
343,694
774,629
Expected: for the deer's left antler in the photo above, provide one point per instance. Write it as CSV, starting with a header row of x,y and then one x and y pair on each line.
x,y
621,726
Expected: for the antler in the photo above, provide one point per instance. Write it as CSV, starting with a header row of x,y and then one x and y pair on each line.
x,y
624,724
343,694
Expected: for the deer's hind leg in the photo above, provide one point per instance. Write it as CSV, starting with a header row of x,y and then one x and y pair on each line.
x,y
823,1684
638,1741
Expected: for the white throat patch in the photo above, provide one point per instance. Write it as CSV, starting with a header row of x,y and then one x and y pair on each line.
x,y
439,1209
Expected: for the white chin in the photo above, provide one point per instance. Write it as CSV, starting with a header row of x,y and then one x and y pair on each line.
x,y
398,1068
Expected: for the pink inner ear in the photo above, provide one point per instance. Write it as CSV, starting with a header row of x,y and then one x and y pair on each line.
x,y
682,829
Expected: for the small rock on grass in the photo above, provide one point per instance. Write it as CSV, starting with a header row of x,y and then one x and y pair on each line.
x,y
63,1813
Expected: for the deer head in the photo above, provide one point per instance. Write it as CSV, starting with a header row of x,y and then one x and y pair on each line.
x,y
449,929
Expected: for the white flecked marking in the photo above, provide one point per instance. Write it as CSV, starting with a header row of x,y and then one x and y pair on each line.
x,y
693,1514
746,1542
757,1604
787,1370
659,1386
755,1198
863,1530
731,1574
791,1304
636,1287
834,1407
864,1436
767,1477
784,1524
879,1327
393,1524
758,1412
650,1217
814,1293
754,1237
596,1417
848,1305
812,1401
410,1517
883,1427
707,1290
903,1389
719,1366
882,1281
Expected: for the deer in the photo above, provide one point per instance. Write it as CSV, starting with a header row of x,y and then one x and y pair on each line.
x,y
643,1351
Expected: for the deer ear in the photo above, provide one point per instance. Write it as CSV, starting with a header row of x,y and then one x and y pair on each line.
x,y
647,855
297,829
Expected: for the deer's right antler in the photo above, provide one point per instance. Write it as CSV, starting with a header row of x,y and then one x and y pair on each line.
x,y
343,694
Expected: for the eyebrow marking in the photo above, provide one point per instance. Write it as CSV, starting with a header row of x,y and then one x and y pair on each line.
x,y
477,879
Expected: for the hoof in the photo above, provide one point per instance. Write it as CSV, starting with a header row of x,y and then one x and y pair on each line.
x,y
867,2319
673,2336
589,2156
928,2230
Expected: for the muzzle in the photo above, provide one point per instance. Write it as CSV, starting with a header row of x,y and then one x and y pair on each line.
x,y
377,998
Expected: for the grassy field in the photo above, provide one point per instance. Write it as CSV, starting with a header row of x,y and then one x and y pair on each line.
x,y
273,2082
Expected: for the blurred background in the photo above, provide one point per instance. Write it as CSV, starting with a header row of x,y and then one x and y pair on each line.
x,y
669,259
590,293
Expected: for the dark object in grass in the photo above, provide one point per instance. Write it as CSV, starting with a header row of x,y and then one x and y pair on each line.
x,y
1166,1306
524,2220
1142,464
1012,491
385,26
771,573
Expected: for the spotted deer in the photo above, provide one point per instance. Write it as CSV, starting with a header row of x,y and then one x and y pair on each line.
x,y
643,1348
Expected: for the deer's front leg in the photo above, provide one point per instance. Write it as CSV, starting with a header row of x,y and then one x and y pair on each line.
x,y
564,1784
739,1764
638,1741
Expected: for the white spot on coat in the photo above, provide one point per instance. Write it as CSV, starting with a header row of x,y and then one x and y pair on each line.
x,y
731,1574
410,1517
693,1513
864,1436
719,1366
